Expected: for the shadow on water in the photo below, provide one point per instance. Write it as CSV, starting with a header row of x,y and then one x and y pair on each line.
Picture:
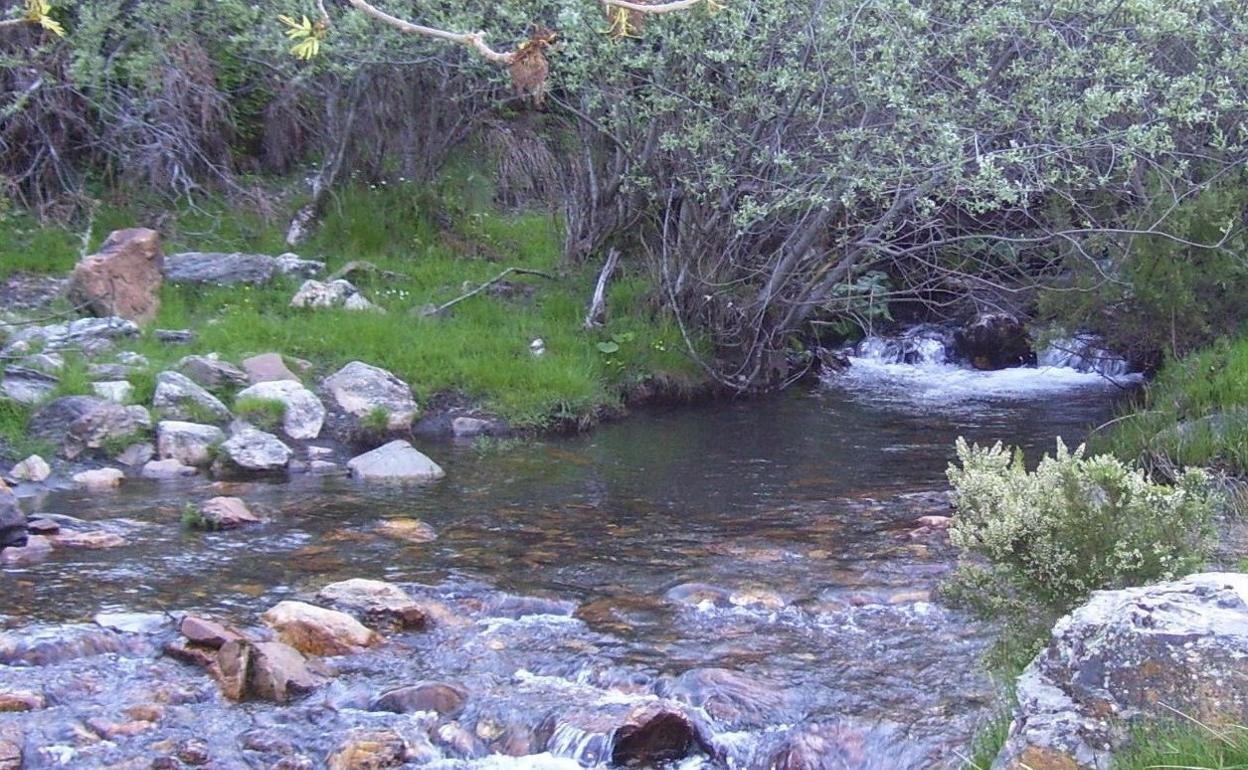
x,y
754,561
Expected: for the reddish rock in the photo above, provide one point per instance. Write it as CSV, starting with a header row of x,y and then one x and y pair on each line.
x,y
21,700
123,279
10,756
206,632
267,367
227,513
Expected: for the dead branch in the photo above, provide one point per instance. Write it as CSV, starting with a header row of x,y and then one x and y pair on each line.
x,y
598,307
473,40
468,295
675,5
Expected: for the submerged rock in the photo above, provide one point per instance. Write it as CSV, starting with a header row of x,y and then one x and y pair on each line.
x,y
366,749
304,413
445,699
731,697
995,341
123,278
179,398
397,461
1126,657
409,530
81,423
318,631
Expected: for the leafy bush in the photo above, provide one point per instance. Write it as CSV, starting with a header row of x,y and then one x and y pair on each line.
x,y
1074,525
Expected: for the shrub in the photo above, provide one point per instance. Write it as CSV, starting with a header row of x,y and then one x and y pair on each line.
x,y
1074,525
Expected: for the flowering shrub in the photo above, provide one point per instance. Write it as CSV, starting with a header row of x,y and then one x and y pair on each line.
x,y
1074,525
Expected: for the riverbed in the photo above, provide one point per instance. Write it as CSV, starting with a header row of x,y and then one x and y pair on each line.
x,y
759,564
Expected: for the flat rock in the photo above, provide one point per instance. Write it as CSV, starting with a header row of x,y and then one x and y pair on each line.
x,y
440,697
33,468
35,550
207,633
187,442
396,461
99,479
228,269
409,530
27,386
318,631
377,600
304,415
179,398
122,279
84,334
159,470
267,367
88,541
211,372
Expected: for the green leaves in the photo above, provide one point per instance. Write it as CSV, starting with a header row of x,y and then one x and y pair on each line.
x,y
613,345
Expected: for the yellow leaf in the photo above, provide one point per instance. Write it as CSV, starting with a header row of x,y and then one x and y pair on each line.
x,y
52,25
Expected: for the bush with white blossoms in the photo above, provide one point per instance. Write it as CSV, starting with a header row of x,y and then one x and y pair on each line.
x,y
1074,525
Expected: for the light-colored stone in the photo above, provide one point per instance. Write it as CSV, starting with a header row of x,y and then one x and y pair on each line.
x,y
255,451
180,398
36,550
99,479
410,530
396,461
318,631
82,334
161,470
10,756
227,513
267,367
360,390
88,541
21,700
305,414
81,423
378,600
1127,657
332,294
211,372
227,269
187,442
27,386
123,278
367,749
136,455
469,427
33,468
117,391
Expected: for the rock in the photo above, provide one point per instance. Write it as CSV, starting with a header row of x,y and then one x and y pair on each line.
x,y
48,363
132,622
361,392
136,455
123,279
187,442
844,743
42,527
207,633
1127,657
266,670
227,513
27,386
211,372
444,699
267,367
21,700
232,668
33,468
231,269
377,600
83,334
304,415
175,336
731,697
10,756
396,461
334,294
318,631
410,530
12,520
367,749
160,470
470,427
117,391
81,423
102,372
35,550
99,479
995,341
646,734
179,398
130,358
253,451
88,541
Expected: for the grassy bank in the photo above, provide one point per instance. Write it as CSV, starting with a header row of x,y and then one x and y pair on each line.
x,y
480,348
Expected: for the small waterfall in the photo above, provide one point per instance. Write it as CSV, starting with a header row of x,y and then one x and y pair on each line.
x,y
1083,353
923,345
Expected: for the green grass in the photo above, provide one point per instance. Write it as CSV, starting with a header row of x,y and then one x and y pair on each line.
x,y
1189,745
264,413
989,740
1194,413
480,347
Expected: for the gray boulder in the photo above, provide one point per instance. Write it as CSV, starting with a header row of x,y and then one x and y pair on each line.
x,y
358,391
12,520
160,470
187,442
27,386
179,398
333,294
396,461
211,372
235,268
1127,657
117,391
305,414
253,451
85,334
81,423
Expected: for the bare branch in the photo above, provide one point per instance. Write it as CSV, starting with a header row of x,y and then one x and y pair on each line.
x,y
675,5
473,40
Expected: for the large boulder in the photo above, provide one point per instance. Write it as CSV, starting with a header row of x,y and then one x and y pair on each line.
x,y
12,520
333,294
180,398
123,278
379,602
211,372
265,670
230,269
81,423
369,400
1128,657
27,386
253,451
87,335
396,461
304,413
187,442
318,631
33,468
995,341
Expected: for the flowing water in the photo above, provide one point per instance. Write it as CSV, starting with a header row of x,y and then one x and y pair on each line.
x,y
757,566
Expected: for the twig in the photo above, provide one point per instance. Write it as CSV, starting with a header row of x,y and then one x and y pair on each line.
x,y
517,270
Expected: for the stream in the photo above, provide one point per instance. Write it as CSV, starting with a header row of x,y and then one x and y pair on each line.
x,y
758,564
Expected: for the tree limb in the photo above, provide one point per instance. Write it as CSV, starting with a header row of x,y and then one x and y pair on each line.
x,y
468,295
674,5
473,40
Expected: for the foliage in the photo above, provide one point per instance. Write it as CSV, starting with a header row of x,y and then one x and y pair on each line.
x,y
1076,524
1194,413
1191,745
264,413
377,420
192,518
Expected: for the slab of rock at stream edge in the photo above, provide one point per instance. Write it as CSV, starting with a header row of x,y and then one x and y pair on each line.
x,y
187,442
318,631
304,413
359,390
235,268
1126,657
180,398
377,600
123,278
81,423
227,513
396,461
252,451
